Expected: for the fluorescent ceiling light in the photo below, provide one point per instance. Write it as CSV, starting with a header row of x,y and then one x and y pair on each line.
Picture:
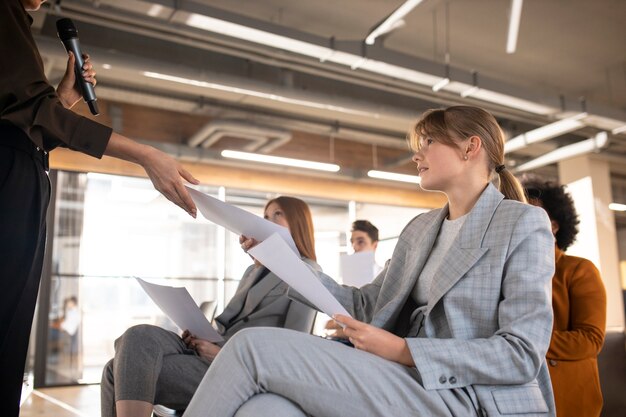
x,y
469,91
155,10
392,176
619,130
277,160
514,19
254,93
354,61
441,84
351,60
596,143
392,21
513,102
238,31
546,132
617,207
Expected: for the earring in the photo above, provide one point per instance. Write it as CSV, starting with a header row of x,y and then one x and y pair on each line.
x,y
465,157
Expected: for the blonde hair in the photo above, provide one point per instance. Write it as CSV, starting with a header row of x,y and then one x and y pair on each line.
x,y
453,125
300,222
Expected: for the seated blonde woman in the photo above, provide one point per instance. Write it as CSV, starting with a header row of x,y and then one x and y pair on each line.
x,y
156,366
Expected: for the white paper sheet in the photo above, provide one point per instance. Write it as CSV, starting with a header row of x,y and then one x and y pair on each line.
x,y
177,304
274,253
357,269
239,221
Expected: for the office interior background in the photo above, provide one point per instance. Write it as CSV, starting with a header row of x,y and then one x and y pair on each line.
x,y
215,81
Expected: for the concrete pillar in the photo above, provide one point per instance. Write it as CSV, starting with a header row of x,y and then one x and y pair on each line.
x,y
588,181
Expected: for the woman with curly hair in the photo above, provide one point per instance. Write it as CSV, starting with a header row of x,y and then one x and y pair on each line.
x,y
579,304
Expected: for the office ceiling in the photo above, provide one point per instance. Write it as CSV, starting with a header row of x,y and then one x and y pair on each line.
x,y
265,95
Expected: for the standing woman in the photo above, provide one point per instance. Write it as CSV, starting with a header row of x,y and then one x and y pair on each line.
x,y
34,119
579,304
155,366
457,324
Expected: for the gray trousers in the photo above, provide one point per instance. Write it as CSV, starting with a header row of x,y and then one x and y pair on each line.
x,y
153,365
276,372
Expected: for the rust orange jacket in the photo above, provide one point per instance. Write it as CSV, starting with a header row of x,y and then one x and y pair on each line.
x,y
579,304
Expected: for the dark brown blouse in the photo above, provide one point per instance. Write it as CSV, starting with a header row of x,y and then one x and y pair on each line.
x,y
28,101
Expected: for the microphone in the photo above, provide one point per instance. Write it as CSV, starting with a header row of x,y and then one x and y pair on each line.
x,y
69,36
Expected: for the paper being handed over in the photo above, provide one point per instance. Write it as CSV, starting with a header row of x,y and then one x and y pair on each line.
x,y
275,255
178,305
237,220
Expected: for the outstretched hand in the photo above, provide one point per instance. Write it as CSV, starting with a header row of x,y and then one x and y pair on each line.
x,y
165,173
68,90
375,340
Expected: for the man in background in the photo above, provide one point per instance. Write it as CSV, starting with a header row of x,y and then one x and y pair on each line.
x,y
364,238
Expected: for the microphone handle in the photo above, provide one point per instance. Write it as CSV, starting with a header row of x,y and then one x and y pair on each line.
x,y
89,95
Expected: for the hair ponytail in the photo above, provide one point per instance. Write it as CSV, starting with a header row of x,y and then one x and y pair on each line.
x,y
511,187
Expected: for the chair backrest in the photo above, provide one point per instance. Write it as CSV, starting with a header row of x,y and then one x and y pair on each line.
x,y
208,308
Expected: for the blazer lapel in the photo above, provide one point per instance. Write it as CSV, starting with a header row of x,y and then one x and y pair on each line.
x,y
237,302
417,255
467,248
258,292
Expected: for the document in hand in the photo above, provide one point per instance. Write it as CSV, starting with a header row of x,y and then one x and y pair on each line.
x,y
239,221
357,269
274,253
178,305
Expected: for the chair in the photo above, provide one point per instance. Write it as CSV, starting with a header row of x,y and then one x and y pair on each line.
x,y
209,308
162,411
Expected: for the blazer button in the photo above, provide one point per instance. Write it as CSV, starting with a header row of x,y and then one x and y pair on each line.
x,y
452,380
246,319
443,379
553,362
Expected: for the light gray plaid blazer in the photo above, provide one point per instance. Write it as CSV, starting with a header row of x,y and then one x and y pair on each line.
x,y
489,315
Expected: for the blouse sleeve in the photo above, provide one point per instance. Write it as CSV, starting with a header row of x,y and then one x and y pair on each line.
x,y
28,101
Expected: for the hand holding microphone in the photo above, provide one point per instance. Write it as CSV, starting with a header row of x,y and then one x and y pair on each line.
x,y
69,36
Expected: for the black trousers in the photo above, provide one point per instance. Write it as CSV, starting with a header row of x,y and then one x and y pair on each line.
x,y
24,197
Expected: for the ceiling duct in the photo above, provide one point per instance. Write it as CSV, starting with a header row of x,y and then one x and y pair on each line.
x,y
264,139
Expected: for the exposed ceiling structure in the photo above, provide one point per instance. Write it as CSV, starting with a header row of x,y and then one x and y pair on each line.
x,y
270,71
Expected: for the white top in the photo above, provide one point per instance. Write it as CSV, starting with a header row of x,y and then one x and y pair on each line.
x,y
448,232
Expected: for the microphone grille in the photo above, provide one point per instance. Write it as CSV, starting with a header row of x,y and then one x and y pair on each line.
x,y
66,29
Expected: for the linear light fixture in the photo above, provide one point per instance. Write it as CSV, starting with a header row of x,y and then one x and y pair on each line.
x,y
254,93
391,22
513,102
278,160
351,60
514,19
441,84
474,88
546,132
619,130
617,207
392,176
595,143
